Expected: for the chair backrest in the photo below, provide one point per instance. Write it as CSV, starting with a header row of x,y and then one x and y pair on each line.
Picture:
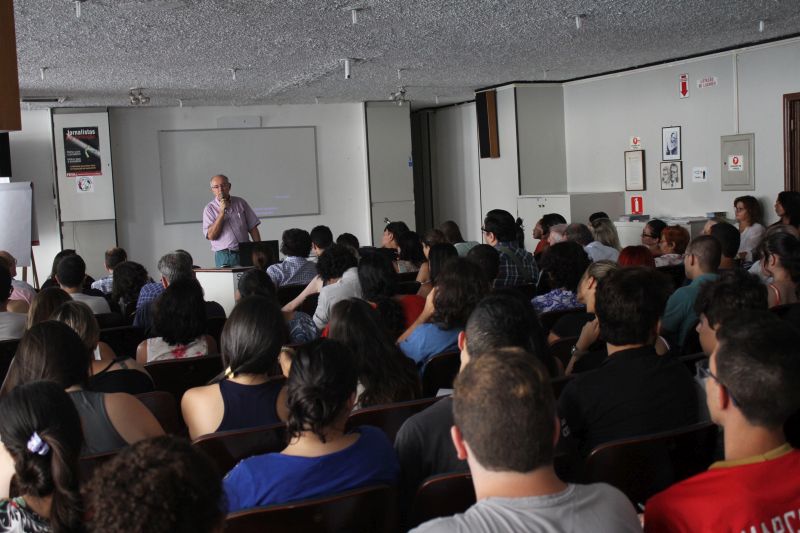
x,y
368,509
287,293
550,318
89,463
640,467
388,417
176,376
406,287
406,276
526,289
309,305
227,448
123,339
442,495
691,361
162,405
214,327
111,320
439,372
562,349
8,349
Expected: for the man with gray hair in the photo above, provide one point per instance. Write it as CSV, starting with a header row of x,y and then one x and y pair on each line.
x,y
596,250
227,221
173,266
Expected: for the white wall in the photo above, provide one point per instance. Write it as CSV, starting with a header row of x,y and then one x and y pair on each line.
x,y
454,169
344,202
32,160
500,176
602,114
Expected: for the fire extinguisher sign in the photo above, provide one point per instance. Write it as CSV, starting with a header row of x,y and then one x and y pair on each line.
x,y
683,86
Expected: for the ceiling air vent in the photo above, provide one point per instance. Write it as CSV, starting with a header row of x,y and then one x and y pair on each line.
x,y
43,99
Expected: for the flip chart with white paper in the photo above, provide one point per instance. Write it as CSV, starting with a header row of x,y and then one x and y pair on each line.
x,y
274,169
16,214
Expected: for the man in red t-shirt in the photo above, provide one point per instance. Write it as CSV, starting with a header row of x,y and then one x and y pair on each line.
x,y
752,389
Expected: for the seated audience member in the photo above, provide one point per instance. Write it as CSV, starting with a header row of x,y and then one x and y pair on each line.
x,y
243,396
558,233
487,259
12,325
757,266
129,278
321,458
572,324
432,237
51,280
178,490
751,390
651,235
701,264
70,276
391,236
453,234
321,239
378,282
458,290
179,320
173,266
728,238
45,304
749,216
438,256
423,442
636,256
732,293
516,265
113,257
411,256
349,241
597,216
22,293
596,250
385,375
52,351
781,263
563,265
41,442
787,207
256,282
506,429
605,233
295,269
541,231
107,372
635,391
337,279
672,244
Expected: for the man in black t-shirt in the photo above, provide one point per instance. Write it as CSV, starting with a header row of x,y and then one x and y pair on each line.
x,y
635,392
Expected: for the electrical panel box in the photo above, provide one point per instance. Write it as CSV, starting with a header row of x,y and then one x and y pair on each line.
x,y
737,169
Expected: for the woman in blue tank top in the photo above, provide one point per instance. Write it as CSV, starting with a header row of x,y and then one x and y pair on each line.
x,y
244,395
321,457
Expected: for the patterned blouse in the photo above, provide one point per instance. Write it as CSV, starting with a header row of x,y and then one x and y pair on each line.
x,y
555,300
16,517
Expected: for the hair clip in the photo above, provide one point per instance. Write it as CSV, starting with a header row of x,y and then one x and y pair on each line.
x,y
37,445
228,372
289,350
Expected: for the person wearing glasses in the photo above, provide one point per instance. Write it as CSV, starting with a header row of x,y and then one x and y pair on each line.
x,y
227,221
651,234
752,394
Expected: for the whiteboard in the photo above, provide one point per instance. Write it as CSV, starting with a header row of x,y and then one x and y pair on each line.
x,y
83,193
16,208
274,169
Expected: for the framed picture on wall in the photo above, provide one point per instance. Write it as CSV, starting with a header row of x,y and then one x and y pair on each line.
x,y
634,170
671,143
671,175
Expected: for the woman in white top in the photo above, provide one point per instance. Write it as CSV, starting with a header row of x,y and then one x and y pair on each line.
x,y
179,318
748,214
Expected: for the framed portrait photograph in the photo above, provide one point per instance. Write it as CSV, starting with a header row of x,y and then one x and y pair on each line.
x,y
671,143
671,175
634,170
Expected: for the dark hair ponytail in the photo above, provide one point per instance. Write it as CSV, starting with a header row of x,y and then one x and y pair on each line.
x,y
786,247
322,379
41,430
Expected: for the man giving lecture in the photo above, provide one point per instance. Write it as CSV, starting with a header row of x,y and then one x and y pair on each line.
x,y
227,221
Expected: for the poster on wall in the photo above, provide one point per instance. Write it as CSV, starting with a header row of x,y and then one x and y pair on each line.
x,y
82,151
